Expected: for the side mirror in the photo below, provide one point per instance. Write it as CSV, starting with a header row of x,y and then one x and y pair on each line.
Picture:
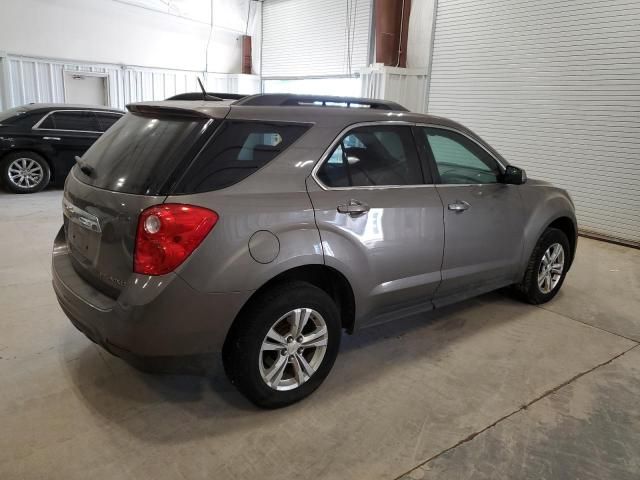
x,y
514,176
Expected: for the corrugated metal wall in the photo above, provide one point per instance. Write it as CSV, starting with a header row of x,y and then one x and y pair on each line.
x,y
305,38
408,87
26,80
555,87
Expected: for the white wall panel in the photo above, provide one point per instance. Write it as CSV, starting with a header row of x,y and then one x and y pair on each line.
x,y
42,81
311,38
116,32
26,80
420,33
555,87
406,86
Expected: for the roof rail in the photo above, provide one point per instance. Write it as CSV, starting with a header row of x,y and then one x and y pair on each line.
x,y
285,100
215,96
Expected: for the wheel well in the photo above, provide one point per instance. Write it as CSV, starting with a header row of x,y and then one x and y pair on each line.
x,y
325,278
565,224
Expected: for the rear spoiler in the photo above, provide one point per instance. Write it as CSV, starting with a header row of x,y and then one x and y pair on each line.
x,y
162,110
214,96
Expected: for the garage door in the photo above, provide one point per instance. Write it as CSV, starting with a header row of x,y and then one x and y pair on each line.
x,y
555,87
315,38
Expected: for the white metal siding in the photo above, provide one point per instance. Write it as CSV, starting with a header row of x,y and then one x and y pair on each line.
x,y
41,80
406,86
310,37
555,87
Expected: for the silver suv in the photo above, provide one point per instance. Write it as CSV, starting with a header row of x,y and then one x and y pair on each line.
x,y
264,227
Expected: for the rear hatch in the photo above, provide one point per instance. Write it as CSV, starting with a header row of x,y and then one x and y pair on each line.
x,y
130,168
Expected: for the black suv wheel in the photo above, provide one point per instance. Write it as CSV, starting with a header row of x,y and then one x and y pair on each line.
x,y
25,172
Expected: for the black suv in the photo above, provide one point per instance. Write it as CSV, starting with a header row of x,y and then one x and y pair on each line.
x,y
39,142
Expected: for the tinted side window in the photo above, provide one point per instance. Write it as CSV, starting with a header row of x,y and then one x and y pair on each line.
x,y
460,160
238,149
107,119
334,172
373,156
78,121
48,123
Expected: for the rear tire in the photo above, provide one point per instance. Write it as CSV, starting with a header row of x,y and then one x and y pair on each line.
x,y
283,345
546,269
25,172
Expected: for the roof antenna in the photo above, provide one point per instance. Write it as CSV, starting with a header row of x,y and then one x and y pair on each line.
x,y
205,95
204,91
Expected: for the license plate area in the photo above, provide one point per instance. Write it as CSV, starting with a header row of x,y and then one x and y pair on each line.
x,y
83,232
83,242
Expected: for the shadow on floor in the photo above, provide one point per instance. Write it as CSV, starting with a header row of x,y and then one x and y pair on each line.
x,y
198,389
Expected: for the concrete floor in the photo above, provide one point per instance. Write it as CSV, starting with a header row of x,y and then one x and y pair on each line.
x,y
491,388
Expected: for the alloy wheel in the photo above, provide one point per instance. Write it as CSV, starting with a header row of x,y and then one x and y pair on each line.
x,y
25,173
551,268
293,349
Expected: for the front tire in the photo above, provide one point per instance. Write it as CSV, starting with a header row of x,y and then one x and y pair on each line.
x,y
25,172
284,345
546,269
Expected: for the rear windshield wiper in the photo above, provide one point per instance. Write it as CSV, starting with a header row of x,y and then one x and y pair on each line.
x,y
84,168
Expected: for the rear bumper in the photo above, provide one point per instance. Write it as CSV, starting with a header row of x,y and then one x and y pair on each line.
x,y
152,317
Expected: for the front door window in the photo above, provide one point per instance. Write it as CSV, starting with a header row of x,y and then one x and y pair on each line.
x,y
459,160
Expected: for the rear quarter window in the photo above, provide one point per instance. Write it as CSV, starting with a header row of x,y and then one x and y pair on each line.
x,y
237,150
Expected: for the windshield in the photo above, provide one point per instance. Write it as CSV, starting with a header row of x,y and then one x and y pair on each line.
x,y
140,154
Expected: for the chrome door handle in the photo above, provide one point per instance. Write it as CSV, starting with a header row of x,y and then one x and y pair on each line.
x,y
51,138
353,208
459,206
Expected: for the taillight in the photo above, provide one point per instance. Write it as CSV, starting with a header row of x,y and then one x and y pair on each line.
x,y
167,234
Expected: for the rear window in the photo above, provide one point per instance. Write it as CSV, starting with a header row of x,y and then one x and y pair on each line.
x,y
238,149
12,112
18,117
141,154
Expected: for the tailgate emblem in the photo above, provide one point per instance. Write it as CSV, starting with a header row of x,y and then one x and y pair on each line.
x,y
80,217
116,281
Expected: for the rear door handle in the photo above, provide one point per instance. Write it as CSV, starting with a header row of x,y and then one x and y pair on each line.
x,y
459,206
353,208
51,138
